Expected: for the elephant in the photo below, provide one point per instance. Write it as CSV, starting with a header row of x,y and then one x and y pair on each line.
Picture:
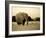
x,y
21,18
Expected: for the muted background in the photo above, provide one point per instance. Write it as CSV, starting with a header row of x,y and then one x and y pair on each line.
x,y
2,20
33,12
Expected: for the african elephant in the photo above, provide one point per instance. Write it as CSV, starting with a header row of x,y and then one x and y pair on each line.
x,y
21,18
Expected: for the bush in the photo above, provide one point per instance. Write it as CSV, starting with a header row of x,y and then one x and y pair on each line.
x,y
13,18
37,19
29,18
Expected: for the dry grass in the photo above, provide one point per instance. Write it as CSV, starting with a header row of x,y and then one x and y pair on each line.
x,y
34,25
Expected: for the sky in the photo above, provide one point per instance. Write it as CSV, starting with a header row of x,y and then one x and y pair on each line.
x,y
33,12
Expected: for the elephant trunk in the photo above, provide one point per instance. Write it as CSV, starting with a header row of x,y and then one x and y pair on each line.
x,y
27,21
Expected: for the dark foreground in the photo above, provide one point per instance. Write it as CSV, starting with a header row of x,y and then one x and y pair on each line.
x,y
34,25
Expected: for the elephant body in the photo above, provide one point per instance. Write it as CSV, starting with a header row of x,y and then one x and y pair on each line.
x,y
21,18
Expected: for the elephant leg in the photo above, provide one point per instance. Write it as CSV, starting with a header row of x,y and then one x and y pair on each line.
x,y
27,22
24,21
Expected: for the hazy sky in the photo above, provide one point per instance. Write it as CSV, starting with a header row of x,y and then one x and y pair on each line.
x,y
31,11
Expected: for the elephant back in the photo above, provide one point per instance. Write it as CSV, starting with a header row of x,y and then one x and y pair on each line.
x,y
21,15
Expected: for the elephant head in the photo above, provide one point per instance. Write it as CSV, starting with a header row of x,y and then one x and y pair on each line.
x,y
21,18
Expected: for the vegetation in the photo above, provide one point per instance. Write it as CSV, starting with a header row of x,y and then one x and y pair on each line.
x,y
29,19
13,18
37,19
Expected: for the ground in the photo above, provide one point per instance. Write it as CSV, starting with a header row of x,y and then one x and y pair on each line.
x,y
32,25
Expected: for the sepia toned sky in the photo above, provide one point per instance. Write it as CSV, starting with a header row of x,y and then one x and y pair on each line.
x,y
33,12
